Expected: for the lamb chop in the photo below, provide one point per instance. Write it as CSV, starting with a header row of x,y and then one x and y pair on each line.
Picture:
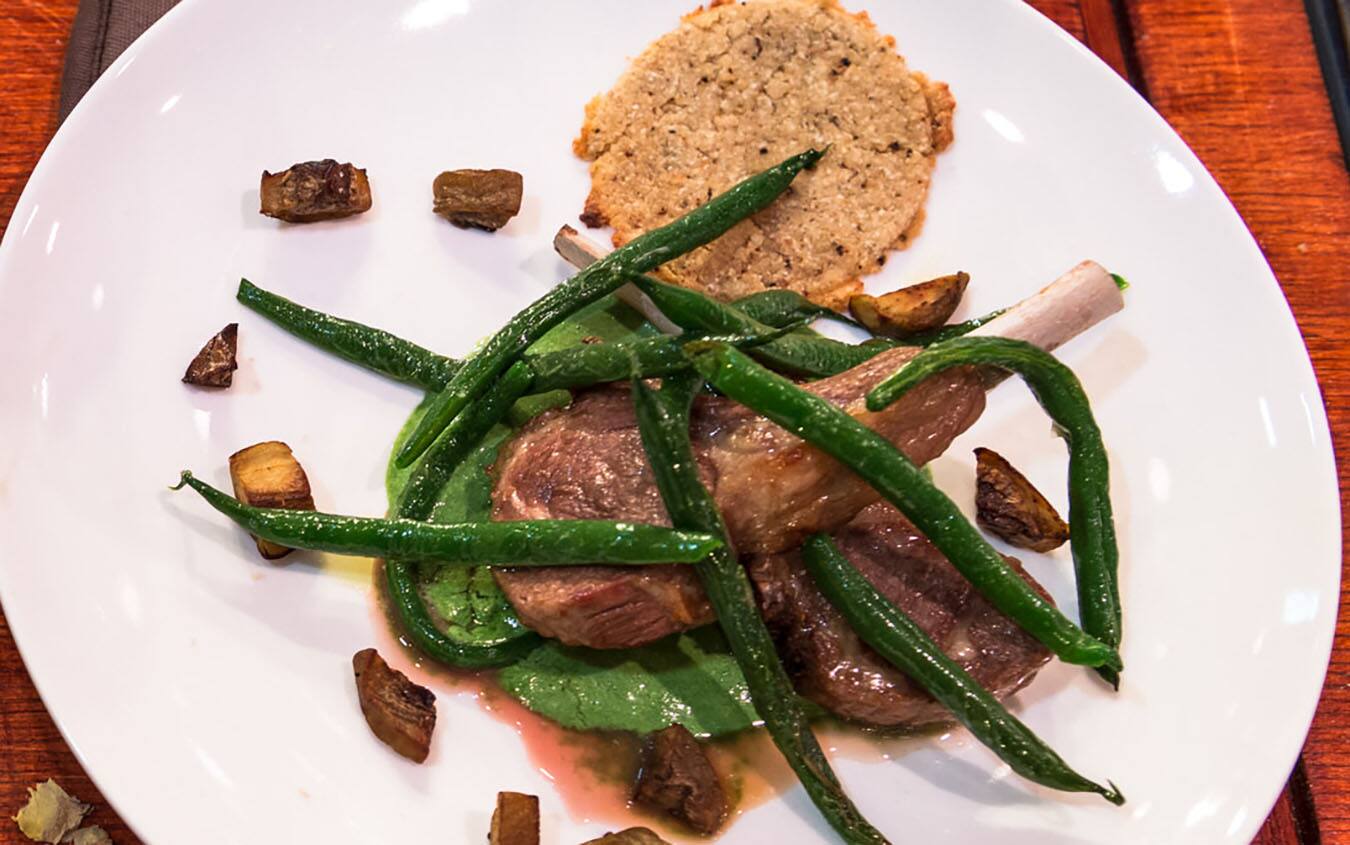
x,y
586,461
833,667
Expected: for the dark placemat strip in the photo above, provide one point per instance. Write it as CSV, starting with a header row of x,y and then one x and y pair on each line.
x,y
102,30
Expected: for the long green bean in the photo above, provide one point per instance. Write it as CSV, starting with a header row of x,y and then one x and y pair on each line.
x,y
647,357
663,423
904,644
897,479
559,542
780,306
429,477
418,500
805,355
605,362
948,332
954,330
1092,532
639,255
372,348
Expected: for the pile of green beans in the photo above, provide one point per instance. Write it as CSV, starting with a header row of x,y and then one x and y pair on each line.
x,y
372,348
639,255
892,475
663,423
1092,530
904,644
561,542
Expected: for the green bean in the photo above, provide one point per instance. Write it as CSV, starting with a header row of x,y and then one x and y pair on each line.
x,y
604,362
953,330
892,475
527,408
663,423
904,644
805,355
544,542
639,255
371,348
780,306
456,442
433,642
647,357
1092,532
948,332
418,500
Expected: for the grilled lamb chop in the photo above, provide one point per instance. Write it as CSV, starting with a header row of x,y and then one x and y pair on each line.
x,y
586,461
831,666
774,490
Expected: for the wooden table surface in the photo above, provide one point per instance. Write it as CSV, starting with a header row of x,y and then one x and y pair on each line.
x,y
1237,78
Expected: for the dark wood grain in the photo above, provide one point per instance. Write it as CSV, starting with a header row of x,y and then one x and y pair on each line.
x,y
1239,81
1101,31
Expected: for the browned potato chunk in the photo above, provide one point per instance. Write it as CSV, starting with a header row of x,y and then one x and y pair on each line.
x,y
917,308
516,820
267,475
215,364
315,190
677,777
1008,506
481,199
400,713
631,836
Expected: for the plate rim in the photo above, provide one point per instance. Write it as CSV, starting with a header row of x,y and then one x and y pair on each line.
x,y
165,27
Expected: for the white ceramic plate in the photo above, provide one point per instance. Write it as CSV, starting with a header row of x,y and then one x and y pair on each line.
x,y
210,695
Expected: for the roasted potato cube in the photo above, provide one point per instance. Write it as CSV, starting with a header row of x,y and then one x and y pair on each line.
x,y
917,308
481,199
400,713
678,778
631,836
515,821
1008,506
215,364
315,190
267,475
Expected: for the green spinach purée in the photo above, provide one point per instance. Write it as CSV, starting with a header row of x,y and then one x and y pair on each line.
x,y
691,678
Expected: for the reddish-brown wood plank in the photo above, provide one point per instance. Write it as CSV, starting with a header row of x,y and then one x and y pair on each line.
x,y
1102,33
1236,77
1280,828
32,40
1240,82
